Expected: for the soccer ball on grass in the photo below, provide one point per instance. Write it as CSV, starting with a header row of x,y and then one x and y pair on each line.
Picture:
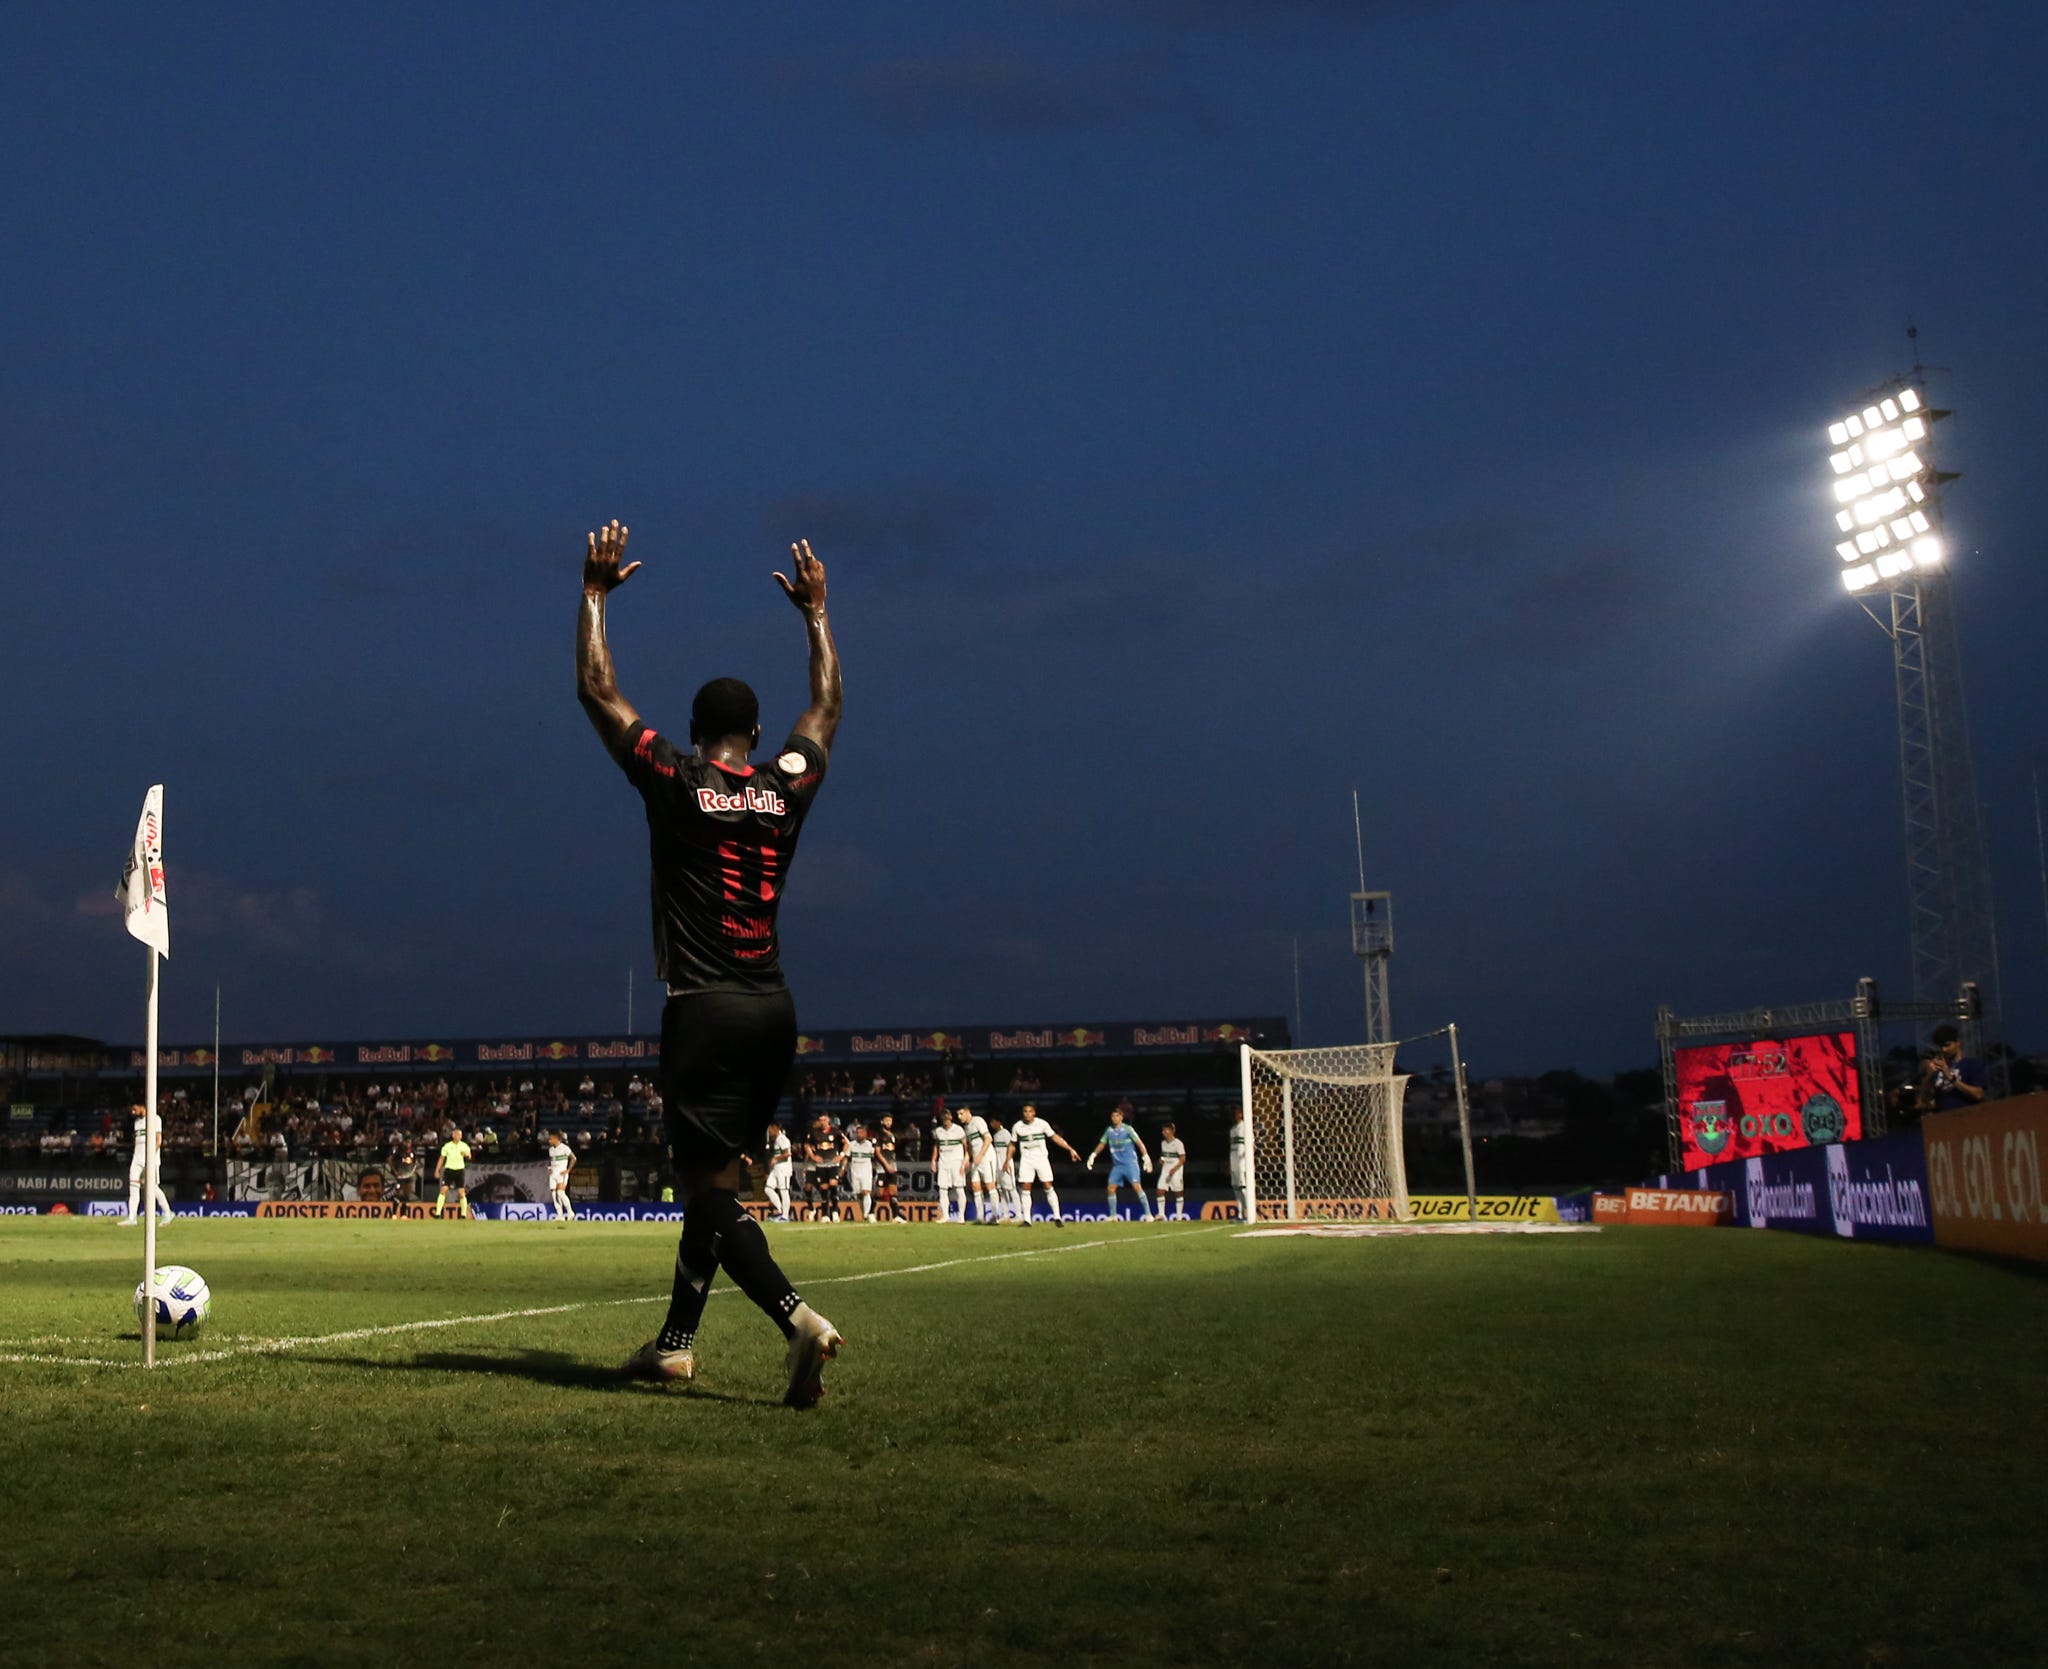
x,y
182,1300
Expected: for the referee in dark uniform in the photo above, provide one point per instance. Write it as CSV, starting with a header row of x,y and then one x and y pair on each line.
x,y
722,831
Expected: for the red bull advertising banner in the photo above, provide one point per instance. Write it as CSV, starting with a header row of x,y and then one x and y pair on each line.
x,y
1144,1037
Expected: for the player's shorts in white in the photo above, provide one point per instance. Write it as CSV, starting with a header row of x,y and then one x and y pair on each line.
x,y
135,1168
952,1170
779,1173
1034,1170
1174,1184
860,1179
985,1173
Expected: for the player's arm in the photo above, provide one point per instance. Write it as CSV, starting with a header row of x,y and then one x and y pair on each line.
x,y
820,721
611,715
974,1156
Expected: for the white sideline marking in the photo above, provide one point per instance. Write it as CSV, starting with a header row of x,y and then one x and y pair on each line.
x,y
274,1347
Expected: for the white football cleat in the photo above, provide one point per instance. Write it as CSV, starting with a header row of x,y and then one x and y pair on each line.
x,y
814,1343
669,1367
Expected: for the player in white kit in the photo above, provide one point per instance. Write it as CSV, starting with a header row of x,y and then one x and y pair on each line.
x,y
561,1161
1240,1172
780,1169
1173,1172
1034,1164
857,1170
137,1163
981,1164
1003,1154
949,1153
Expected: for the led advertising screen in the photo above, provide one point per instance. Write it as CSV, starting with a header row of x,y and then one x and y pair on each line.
x,y
1740,1100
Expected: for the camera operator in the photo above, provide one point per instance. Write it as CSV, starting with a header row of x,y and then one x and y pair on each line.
x,y
1950,1079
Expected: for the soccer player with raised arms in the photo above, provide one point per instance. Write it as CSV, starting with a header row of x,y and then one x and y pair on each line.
x,y
722,831
1034,1164
1126,1150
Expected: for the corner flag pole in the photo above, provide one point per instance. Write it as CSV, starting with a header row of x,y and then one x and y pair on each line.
x,y
141,894
149,1182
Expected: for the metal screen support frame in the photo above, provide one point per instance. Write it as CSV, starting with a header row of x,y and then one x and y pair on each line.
x,y
1860,1014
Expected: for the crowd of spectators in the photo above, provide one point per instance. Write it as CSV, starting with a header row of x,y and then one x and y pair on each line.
x,y
508,1117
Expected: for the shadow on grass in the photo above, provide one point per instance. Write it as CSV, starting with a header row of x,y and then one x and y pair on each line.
x,y
544,1367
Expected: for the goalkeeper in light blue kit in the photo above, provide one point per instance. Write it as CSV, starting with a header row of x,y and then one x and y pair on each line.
x,y
1126,1154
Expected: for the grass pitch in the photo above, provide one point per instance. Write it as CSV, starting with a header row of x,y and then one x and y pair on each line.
x,y
1135,1445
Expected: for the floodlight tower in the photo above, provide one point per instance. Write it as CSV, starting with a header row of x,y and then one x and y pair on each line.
x,y
1372,942
1888,516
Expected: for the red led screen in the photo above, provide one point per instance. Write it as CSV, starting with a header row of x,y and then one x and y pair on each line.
x,y
1737,1100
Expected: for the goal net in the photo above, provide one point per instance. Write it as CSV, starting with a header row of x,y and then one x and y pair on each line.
x,y
1326,1133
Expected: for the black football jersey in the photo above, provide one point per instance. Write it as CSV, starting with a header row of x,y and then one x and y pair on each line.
x,y
721,838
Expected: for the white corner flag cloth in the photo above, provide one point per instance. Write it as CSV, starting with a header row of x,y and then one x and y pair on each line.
x,y
141,891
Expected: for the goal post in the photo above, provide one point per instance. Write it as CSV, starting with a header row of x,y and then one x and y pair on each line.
x,y
1323,1133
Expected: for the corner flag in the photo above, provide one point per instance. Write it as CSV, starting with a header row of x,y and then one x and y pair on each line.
x,y
141,892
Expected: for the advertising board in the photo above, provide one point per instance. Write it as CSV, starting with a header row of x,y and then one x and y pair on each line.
x,y
1768,1095
1984,1177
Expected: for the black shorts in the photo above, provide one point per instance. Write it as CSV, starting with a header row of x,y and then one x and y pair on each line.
x,y
725,1060
824,1182
452,1179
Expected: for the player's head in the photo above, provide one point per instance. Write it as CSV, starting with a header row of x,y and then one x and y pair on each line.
x,y
774,1129
723,709
455,1133
1026,1113
1166,1130
1116,1113
1238,1116
995,1121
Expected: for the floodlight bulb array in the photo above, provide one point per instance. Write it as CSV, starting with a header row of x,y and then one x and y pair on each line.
x,y
1881,479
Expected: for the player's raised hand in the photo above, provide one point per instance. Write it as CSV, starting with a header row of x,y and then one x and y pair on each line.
x,y
807,590
601,569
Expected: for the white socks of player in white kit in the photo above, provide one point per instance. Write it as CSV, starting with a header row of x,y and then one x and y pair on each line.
x,y
867,1205
564,1211
959,1203
778,1197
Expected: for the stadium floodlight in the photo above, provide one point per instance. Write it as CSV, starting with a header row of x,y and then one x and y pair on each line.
x,y
1895,562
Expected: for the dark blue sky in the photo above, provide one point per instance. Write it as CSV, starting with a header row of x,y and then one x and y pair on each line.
x,y
1202,406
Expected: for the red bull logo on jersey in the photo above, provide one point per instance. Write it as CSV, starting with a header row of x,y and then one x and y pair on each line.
x,y
764,800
